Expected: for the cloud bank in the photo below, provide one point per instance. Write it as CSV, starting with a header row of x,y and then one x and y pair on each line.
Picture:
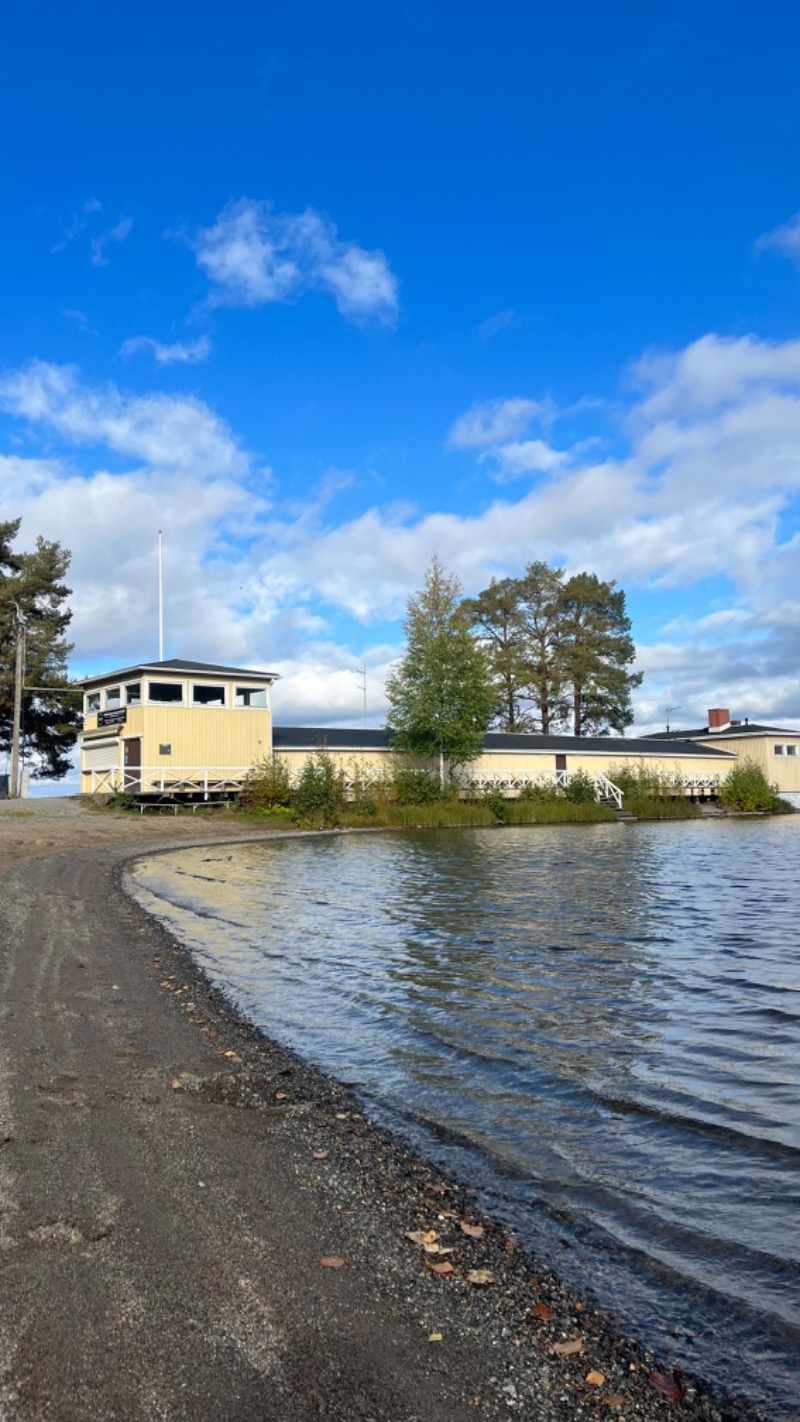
x,y
704,496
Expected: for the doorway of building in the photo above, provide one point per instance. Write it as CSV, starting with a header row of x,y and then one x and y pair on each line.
x,y
132,763
561,762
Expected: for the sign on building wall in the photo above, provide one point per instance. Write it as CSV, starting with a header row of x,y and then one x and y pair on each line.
x,y
113,718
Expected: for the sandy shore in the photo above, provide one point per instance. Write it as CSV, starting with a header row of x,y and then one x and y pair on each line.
x,y
170,1183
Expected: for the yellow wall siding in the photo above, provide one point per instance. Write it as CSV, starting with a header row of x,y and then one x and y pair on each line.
x,y
780,770
508,763
203,736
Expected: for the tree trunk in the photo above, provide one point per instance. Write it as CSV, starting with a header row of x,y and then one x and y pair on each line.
x,y
578,711
441,769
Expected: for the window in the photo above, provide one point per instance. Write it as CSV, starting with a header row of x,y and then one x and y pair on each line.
x,y
113,698
208,696
165,750
133,694
169,692
253,696
779,750
791,750
92,703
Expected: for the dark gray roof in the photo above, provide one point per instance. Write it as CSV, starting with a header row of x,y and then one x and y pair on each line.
x,y
178,664
353,738
745,728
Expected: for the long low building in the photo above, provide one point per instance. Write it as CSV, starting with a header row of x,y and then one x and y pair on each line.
x,y
511,761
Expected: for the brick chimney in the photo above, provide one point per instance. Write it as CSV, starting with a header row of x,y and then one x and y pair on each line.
x,y
718,719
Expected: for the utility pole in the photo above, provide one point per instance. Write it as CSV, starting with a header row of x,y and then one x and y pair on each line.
x,y
16,729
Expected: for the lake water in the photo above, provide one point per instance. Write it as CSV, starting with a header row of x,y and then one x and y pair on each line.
x,y
599,1027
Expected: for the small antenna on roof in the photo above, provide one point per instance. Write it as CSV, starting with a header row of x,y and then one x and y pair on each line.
x,y
160,598
669,710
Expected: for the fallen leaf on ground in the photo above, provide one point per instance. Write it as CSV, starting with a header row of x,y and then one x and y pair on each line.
x,y
434,1337
615,1400
176,1086
342,1115
229,1054
332,1261
474,1231
570,1349
320,1155
281,1095
544,1313
445,1268
595,1378
425,1237
480,1276
669,1384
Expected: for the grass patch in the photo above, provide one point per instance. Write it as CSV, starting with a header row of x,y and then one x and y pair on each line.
x,y
436,816
658,807
557,812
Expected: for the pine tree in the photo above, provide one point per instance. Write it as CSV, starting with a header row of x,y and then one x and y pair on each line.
x,y
495,615
441,698
540,593
595,652
51,717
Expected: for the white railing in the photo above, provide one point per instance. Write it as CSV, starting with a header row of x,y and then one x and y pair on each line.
x,y
168,780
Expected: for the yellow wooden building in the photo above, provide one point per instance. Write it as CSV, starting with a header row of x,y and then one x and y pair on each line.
x,y
774,749
175,727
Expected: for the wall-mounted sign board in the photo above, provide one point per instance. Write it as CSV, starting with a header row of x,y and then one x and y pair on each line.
x,y
113,718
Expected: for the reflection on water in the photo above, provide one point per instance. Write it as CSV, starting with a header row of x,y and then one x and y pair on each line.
x,y
601,1026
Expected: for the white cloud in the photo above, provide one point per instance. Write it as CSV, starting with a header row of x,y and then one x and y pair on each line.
x,y
79,222
165,431
492,422
493,325
101,243
254,256
784,239
706,487
178,353
528,456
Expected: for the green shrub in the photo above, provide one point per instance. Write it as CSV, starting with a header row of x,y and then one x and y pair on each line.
x,y
417,787
747,788
320,794
558,812
542,790
119,800
267,788
494,799
580,789
642,781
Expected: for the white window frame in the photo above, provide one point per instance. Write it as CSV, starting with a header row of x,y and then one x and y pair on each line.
x,y
199,706
92,710
779,750
791,750
165,681
127,689
120,702
237,687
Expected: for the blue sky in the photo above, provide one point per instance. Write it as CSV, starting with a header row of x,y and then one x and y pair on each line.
x,y
322,289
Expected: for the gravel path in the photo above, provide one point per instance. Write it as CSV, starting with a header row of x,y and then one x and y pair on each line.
x,y
170,1184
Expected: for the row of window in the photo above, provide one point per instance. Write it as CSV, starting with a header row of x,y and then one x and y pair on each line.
x,y
173,693
785,750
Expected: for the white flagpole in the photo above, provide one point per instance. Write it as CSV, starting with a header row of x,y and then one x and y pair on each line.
x,y
160,600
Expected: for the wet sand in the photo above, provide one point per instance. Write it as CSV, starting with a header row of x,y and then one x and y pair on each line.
x,y
170,1182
